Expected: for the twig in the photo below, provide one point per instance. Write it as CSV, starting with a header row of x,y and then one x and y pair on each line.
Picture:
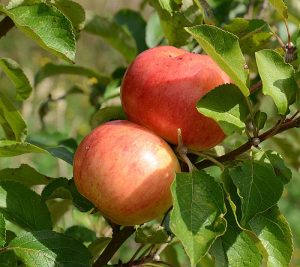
x,y
5,25
288,32
136,253
156,256
255,87
212,159
288,124
118,239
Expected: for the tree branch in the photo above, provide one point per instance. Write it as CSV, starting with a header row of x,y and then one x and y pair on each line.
x,y
255,87
118,239
288,124
5,25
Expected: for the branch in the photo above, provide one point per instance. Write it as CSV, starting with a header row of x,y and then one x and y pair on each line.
x,y
5,25
255,87
118,239
288,124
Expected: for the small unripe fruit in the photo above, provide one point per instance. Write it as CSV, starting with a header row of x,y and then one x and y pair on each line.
x,y
126,171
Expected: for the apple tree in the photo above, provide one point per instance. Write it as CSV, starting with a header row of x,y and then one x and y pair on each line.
x,y
234,202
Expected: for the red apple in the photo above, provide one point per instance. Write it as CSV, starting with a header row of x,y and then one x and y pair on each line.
x,y
161,88
126,171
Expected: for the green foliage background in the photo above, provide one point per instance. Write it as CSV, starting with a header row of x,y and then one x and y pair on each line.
x,y
70,117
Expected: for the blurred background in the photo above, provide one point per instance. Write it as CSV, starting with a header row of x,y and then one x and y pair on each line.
x,y
66,117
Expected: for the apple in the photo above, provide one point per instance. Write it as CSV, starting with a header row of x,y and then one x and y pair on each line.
x,y
126,171
161,88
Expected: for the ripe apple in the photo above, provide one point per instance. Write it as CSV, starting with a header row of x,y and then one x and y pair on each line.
x,y
126,171
161,88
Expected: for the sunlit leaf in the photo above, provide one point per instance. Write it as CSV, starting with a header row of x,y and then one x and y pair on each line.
x,y
224,48
227,106
275,234
48,248
235,248
277,78
31,214
34,19
258,187
198,210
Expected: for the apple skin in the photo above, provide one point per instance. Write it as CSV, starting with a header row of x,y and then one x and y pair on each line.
x,y
126,171
161,88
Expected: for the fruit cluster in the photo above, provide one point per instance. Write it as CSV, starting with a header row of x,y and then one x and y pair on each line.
x,y
125,168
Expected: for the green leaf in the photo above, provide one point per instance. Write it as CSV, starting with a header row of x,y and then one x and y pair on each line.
x,y
73,11
276,161
107,114
275,234
51,69
34,20
66,189
207,11
133,22
58,188
235,248
277,78
198,210
81,233
281,7
227,106
173,19
61,152
10,148
11,120
260,119
154,32
258,187
16,3
298,54
25,175
96,247
14,72
48,248
8,259
23,206
151,234
224,48
114,34
2,231
253,34
112,90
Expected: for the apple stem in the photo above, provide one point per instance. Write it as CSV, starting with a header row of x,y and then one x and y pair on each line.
x,y
182,151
